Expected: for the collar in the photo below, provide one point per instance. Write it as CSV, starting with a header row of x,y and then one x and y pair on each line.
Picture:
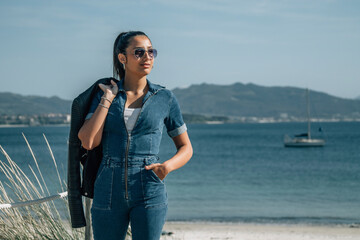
x,y
153,88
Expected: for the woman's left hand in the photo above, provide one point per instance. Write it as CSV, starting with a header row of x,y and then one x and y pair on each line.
x,y
159,169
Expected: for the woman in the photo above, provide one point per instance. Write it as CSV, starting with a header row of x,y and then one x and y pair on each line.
x,y
127,118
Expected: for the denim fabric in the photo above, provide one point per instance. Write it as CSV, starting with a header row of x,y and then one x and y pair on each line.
x,y
160,108
146,205
124,191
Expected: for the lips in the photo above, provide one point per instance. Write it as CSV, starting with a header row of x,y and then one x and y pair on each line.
x,y
145,65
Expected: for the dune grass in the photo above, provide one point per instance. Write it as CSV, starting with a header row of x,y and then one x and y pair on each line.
x,y
38,221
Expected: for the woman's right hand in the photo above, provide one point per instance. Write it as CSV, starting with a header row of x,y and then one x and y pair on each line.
x,y
110,91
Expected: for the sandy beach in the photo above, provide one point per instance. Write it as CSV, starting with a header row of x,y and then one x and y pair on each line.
x,y
243,231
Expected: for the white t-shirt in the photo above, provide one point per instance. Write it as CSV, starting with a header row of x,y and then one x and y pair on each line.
x,y
130,117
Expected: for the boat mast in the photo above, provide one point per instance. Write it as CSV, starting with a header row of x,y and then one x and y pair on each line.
x,y
308,112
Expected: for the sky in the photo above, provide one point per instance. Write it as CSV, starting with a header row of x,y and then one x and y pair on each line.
x,y
59,48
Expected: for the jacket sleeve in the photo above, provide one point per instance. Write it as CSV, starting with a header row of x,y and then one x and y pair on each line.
x,y
74,179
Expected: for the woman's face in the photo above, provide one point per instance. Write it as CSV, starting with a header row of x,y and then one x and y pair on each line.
x,y
140,66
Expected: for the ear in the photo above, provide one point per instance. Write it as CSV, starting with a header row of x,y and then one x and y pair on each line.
x,y
122,58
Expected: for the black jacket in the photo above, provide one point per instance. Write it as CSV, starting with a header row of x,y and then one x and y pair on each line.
x,y
90,160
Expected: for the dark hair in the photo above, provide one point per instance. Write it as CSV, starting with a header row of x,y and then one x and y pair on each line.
x,y
121,43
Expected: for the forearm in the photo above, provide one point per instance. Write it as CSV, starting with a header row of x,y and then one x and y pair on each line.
x,y
182,156
91,132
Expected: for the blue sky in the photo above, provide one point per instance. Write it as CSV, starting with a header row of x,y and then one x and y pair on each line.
x,y
61,47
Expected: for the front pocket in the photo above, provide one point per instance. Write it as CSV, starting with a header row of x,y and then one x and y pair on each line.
x,y
151,183
103,189
156,176
154,189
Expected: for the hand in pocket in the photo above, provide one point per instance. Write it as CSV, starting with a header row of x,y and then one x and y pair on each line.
x,y
159,169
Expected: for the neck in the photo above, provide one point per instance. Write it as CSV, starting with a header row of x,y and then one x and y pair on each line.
x,y
134,83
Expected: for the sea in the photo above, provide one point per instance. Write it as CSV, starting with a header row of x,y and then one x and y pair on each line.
x,y
239,172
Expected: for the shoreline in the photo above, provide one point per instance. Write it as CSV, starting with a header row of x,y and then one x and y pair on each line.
x,y
178,230
25,125
205,123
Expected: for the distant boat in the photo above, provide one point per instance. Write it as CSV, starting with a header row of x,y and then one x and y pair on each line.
x,y
304,139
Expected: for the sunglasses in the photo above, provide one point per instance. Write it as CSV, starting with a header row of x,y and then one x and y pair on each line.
x,y
140,52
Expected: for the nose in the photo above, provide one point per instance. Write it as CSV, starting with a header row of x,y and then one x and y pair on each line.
x,y
147,55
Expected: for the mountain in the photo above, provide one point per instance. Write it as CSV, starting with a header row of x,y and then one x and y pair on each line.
x,y
14,104
257,101
236,100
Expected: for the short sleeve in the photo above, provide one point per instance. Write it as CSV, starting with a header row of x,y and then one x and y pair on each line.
x,y
94,104
174,121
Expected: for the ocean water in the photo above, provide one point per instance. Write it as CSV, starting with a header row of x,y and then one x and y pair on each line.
x,y
238,173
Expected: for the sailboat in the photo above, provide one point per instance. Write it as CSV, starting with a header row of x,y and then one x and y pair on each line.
x,y
304,139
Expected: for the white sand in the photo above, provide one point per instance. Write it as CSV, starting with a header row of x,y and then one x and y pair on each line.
x,y
243,231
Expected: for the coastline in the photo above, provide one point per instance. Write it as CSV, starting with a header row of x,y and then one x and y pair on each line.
x,y
26,125
13,125
178,230
259,121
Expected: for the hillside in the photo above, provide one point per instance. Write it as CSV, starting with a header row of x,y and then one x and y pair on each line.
x,y
252,100
14,104
236,100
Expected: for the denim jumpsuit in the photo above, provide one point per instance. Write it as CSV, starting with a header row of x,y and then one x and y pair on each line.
x,y
124,190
